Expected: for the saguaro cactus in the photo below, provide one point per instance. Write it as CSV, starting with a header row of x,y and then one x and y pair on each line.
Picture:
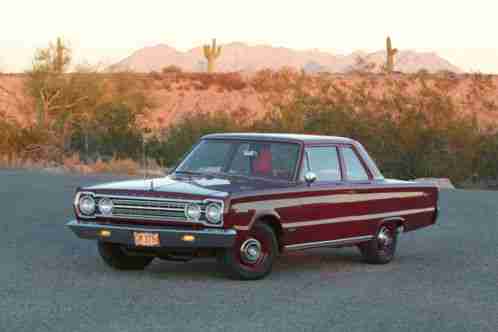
x,y
391,52
212,53
60,56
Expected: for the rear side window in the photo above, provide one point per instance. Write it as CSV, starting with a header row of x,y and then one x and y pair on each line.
x,y
324,162
355,170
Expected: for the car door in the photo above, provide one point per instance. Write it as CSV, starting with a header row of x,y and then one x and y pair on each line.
x,y
319,200
357,187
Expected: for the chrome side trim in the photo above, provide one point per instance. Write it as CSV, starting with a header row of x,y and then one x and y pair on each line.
x,y
393,219
389,216
329,199
241,228
309,245
356,218
376,185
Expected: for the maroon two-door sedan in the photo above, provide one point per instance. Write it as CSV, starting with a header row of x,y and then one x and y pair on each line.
x,y
246,198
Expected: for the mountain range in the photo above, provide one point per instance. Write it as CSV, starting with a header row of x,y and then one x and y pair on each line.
x,y
239,56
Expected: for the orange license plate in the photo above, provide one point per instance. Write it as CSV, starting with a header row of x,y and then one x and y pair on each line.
x,y
146,239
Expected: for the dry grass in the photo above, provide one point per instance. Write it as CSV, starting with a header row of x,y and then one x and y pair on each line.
x,y
14,161
116,166
73,164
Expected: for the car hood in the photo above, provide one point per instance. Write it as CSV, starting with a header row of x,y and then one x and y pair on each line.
x,y
198,186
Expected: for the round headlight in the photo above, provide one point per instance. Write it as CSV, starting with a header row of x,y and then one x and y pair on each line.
x,y
193,212
105,206
87,205
213,213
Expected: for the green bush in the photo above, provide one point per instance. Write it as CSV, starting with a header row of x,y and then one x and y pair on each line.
x,y
410,137
111,133
179,138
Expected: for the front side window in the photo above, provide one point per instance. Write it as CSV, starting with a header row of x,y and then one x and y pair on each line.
x,y
355,170
230,157
324,162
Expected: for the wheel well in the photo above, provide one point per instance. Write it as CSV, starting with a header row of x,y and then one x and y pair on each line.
x,y
274,223
397,221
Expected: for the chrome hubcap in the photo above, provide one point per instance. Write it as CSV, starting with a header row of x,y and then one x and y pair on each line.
x,y
385,238
250,250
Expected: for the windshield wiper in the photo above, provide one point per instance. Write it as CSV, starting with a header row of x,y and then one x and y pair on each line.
x,y
188,173
202,174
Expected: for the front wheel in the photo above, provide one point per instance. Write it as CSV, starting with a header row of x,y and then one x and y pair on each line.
x,y
252,256
114,256
382,248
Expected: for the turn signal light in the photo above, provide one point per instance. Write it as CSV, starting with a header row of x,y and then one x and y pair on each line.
x,y
105,233
188,238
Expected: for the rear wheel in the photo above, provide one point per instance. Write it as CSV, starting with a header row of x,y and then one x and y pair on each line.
x,y
115,256
382,248
252,256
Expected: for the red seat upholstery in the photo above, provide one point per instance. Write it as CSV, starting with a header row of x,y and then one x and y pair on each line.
x,y
263,165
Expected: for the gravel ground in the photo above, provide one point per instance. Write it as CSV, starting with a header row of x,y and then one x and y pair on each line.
x,y
443,279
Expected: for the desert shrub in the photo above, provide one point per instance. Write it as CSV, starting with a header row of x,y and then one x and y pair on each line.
x,y
155,75
204,81
227,81
116,166
172,69
410,137
280,81
32,143
179,138
113,133
8,137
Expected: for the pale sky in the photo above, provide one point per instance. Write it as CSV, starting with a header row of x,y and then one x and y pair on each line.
x,y
105,31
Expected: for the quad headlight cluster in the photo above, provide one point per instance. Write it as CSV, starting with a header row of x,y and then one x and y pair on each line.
x,y
88,206
193,212
213,212
105,206
208,212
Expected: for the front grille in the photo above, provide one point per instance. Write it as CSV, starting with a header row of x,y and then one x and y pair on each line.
x,y
131,212
152,204
150,209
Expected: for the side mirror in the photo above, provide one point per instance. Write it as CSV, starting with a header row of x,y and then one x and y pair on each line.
x,y
309,177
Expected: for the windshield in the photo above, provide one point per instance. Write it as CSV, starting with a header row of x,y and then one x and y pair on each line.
x,y
242,158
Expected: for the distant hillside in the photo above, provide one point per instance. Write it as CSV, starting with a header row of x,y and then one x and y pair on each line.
x,y
242,57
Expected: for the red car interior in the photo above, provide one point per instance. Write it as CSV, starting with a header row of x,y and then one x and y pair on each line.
x,y
263,163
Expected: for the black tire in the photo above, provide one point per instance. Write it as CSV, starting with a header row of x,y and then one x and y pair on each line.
x,y
380,250
114,256
237,265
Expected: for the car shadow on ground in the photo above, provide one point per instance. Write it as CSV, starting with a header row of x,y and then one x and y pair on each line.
x,y
324,261
288,264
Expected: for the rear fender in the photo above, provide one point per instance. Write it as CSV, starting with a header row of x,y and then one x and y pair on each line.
x,y
398,222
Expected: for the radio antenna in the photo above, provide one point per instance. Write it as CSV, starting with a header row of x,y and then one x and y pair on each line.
x,y
144,157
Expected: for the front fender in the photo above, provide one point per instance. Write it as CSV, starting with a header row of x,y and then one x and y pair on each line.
x,y
244,221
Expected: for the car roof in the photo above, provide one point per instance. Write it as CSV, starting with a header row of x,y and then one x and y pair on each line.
x,y
296,138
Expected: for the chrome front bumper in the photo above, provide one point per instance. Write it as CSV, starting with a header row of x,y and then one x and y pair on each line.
x,y
169,237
